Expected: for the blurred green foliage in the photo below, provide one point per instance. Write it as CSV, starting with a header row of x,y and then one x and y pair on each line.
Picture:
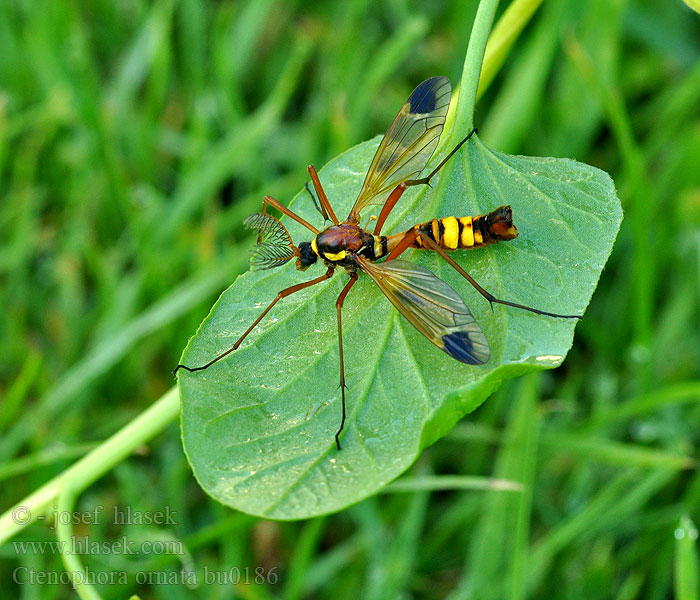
x,y
134,138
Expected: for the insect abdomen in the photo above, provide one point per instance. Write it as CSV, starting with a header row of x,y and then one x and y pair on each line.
x,y
452,233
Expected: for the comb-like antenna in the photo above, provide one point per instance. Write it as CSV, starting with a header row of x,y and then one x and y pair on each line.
x,y
274,247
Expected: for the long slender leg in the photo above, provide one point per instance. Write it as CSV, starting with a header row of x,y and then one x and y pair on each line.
x,y
317,206
389,206
401,188
403,245
338,307
430,244
427,179
490,297
286,211
325,203
285,292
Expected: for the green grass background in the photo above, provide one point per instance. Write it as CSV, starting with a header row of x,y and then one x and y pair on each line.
x,y
134,139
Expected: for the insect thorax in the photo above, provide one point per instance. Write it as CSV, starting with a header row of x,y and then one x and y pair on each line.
x,y
338,244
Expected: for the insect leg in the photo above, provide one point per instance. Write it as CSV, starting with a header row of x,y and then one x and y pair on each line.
x,y
325,204
317,206
431,245
403,245
401,188
338,307
285,292
286,211
389,206
426,180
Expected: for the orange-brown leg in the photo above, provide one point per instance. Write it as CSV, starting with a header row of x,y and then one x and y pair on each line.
x,y
338,307
403,245
323,199
285,292
430,244
401,188
286,211
389,206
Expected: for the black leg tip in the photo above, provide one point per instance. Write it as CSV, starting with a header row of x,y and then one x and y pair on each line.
x,y
337,441
176,369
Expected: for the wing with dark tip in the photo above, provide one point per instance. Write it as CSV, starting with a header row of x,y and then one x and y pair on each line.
x,y
432,307
409,142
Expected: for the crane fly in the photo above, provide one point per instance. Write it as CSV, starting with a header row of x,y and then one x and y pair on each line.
x,y
433,307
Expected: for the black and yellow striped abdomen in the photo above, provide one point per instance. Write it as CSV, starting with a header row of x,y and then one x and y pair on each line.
x,y
453,233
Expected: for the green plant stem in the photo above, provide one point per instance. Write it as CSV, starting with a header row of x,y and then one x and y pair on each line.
x,y
95,464
25,464
464,113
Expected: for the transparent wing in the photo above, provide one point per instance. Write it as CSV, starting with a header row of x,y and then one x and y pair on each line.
x,y
432,307
274,247
409,142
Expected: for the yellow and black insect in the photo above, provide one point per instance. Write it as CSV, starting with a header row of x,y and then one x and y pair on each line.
x,y
427,302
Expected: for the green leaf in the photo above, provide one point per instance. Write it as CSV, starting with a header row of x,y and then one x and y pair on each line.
x,y
258,426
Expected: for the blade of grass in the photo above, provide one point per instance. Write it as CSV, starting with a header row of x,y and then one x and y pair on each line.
x,y
218,163
105,355
627,455
501,40
611,506
504,524
450,482
305,548
670,395
519,99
